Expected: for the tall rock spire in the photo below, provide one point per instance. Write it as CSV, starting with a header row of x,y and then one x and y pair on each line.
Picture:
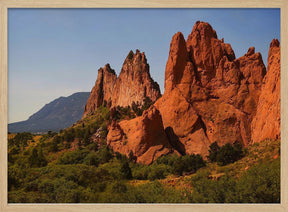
x,y
102,90
133,84
266,123
209,95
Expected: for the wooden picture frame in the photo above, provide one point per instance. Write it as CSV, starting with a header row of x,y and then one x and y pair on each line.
x,y
6,4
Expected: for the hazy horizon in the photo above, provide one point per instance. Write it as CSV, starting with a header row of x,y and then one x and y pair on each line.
x,y
57,52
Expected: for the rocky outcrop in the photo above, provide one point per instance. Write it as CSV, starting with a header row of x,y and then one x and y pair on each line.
x,y
134,82
102,91
206,51
144,136
184,127
178,57
209,95
133,85
266,123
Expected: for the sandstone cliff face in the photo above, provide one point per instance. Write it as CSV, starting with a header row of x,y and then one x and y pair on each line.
x,y
266,123
133,85
134,82
206,51
209,95
144,136
102,91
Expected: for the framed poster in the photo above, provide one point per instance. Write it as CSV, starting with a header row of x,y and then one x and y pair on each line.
x,y
178,117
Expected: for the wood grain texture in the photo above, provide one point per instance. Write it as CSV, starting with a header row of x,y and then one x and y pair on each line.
x,y
144,3
284,105
3,107
6,4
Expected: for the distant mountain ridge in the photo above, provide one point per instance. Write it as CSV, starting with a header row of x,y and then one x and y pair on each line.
x,y
58,114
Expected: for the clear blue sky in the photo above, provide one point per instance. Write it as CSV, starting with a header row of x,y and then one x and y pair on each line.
x,y
56,52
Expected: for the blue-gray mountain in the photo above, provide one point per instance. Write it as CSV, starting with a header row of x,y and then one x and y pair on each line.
x,y
58,114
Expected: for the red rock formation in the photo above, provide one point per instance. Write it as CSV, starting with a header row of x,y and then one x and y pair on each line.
x,y
134,82
133,85
102,90
209,95
266,123
177,60
206,50
184,128
253,70
144,136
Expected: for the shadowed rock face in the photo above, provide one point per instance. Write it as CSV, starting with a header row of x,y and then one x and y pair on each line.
x,y
209,96
206,51
144,136
102,90
266,123
133,84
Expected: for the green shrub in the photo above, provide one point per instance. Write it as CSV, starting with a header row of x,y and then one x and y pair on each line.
x,y
15,176
135,107
140,171
86,138
20,140
188,164
69,134
92,159
167,159
260,184
36,158
158,172
125,170
147,102
118,187
225,154
212,191
120,113
153,192
213,150
79,132
53,147
104,154
74,157
31,186
92,147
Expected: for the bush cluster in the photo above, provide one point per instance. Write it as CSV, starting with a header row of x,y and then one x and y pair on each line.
x,y
147,102
93,173
225,154
20,141
260,184
167,165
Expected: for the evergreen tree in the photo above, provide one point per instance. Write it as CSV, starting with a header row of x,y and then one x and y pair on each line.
x,y
126,170
214,148
33,158
36,158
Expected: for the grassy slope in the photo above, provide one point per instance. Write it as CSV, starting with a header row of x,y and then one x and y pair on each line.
x,y
267,150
